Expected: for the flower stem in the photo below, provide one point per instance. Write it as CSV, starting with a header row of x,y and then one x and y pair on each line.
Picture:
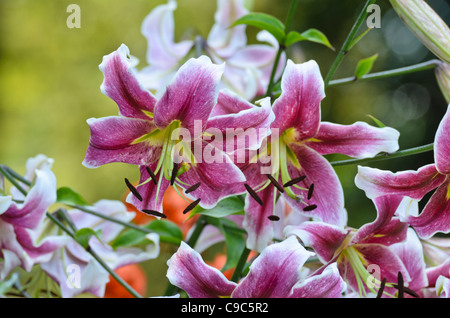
x,y
111,219
281,47
401,153
348,41
395,72
96,257
240,265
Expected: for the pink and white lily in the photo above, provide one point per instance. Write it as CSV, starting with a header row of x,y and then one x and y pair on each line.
x,y
76,271
295,152
22,219
247,69
156,134
275,273
414,185
359,252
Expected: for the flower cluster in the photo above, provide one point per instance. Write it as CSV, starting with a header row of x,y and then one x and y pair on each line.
x,y
201,119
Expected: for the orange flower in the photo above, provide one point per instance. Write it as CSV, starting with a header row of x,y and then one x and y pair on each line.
x,y
133,275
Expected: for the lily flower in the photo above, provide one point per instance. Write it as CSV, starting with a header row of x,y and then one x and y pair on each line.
x,y
165,136
248,67
291,160
437,257
22,219
414,185
275,273
359,253
76,271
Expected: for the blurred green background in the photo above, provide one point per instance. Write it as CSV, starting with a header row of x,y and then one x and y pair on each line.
x,y
50,81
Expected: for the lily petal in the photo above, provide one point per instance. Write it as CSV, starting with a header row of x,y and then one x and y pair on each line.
x,y
299,104
435,217
31,212
328,194
379,255
158,29
442,145
359,140
414,184
121,85
323,238
191,95
113,140
329,284
109,208
218,175
244,126
411,253
259,228
223,39
384,230
188,271
275,272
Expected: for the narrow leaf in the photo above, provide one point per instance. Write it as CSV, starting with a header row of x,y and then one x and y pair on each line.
x,y
84,235
377,121
66,195
223,208
311,35
358,38
265,22
168,232
365,65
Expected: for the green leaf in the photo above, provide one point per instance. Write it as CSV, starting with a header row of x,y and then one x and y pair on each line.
x,y
312,35
357,39
168,232
377,121
68,196
234,240
365,65
84,235
265,22
223,208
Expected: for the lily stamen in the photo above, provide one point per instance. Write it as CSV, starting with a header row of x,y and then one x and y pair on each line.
x,y
155,213
294,181
174,174
273,217
275,183
133,189
310,191
152,175
310,208
191,206
193,188
253,194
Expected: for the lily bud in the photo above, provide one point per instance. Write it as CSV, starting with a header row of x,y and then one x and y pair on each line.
x,y
443,79
426,24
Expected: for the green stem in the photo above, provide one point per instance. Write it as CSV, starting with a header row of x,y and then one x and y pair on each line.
x,y
401,153
281,47
395,72
8,176
240,265
348,41
96,257
111,219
